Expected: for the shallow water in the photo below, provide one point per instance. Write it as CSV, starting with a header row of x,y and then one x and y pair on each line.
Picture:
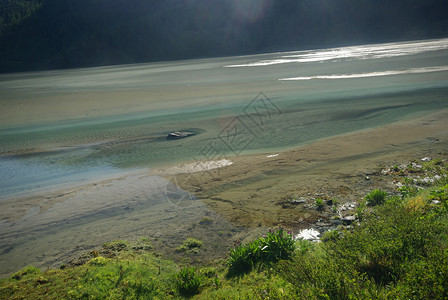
x,y
70,127
307,95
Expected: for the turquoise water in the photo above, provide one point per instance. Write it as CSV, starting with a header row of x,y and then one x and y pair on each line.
x,y
235,106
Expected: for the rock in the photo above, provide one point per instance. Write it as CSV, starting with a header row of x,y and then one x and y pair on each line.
x,y
178,135
308,234
348,220
336,222
299,200
348,206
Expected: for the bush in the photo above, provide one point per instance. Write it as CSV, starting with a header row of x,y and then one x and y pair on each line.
x,y
188,282
376,197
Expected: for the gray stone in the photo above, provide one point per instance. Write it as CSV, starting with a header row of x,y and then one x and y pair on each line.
x,y
348,220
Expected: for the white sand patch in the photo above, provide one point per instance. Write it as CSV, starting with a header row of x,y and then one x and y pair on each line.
x,y
199,166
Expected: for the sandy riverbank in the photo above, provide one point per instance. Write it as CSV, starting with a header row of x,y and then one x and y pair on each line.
x,y
240,194
248,191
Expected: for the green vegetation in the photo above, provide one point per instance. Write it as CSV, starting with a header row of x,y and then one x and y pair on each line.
x,y
398,251
188,281
205,221
131,274
376,197
190,245
15,12
262,252
319,203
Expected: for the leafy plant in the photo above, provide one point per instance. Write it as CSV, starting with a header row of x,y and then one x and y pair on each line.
x,y
276,245
376,197
319,203
188,281
241,260
266,250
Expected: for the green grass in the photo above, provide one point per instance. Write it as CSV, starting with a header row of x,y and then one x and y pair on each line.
x,y
139,277
398,251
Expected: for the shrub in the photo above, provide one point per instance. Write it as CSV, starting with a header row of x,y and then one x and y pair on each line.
x,y
376,197
188,282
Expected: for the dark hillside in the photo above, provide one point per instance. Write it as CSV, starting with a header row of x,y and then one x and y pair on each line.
x,y
50,34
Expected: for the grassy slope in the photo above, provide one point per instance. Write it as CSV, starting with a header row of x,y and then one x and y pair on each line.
x,y
397,250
